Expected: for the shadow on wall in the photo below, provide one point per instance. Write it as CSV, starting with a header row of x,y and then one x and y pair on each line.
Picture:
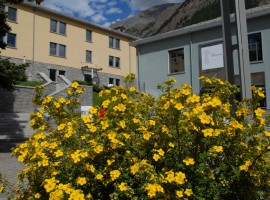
x,y
15,109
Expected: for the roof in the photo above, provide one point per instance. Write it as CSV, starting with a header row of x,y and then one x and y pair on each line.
x,y
61,14
251,13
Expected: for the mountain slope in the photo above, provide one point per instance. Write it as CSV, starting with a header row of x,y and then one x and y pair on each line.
x,y
167,17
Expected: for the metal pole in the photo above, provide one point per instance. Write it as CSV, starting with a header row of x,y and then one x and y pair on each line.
x,y
226,27
243,53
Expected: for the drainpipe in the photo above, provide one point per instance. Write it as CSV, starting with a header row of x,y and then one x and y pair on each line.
x,y
129,58
33,53
190,57
138,68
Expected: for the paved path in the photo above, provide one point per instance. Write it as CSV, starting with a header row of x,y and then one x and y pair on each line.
x,y
9,167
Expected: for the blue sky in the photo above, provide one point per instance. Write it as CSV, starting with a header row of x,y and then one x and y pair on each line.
x,y
103,12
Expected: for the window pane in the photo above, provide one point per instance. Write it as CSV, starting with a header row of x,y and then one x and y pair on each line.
x,y
12,14
111,61
52,48
88,78
117,82
117,62
88,35
62,28
176,61
88,56
61,72
110,42
53,27
255,47
117,43
53,74
11,40
111,80
62,50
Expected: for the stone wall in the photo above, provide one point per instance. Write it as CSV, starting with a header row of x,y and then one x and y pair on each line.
x,y
72,73
17,101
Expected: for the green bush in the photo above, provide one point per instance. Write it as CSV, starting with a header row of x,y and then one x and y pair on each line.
x,y
30,83
178,146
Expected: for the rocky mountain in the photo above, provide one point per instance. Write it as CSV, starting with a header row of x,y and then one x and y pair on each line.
x,y
167,17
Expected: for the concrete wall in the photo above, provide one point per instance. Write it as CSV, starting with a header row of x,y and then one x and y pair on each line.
x,y
153,58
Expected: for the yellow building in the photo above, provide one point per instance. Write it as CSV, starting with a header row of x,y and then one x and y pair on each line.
x,y
59,44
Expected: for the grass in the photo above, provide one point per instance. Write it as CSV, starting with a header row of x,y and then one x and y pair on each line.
x,y
30,83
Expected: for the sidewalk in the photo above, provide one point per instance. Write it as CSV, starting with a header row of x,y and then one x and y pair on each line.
x,y
9,167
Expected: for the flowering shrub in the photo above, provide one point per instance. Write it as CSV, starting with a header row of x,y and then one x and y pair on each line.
x,y
178,146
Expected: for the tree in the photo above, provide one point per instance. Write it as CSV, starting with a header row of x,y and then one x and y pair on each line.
x,y
11,74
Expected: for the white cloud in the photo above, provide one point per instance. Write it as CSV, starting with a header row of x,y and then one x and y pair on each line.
x,y
98,18
113,11
144,4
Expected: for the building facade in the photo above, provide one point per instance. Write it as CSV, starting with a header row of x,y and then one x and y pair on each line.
x,y
190,52
59,44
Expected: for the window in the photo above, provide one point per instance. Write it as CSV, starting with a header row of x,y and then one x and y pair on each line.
x,y
255,47
114,43
88,56
11,40
11,14
176,61
58,27
113,82
88,36
54,73
57,49
114,61
88,78
117,82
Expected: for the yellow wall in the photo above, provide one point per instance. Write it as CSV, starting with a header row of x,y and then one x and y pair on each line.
x,y
33,27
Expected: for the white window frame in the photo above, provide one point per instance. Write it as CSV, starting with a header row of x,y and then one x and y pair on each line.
x,y
16,13
58,24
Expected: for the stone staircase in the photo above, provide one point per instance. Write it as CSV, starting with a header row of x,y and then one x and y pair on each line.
x,y
14,129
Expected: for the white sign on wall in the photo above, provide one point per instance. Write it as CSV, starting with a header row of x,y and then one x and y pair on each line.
x,y
212,57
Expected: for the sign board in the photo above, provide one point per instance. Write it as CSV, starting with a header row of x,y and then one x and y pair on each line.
x,y
212,57
85,110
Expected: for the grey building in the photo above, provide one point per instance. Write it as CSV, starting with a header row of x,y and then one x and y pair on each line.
x,y
196,50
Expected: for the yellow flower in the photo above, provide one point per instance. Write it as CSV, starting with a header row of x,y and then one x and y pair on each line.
x,y
156,157
152,189
109,162
166,105
179,178
160,152
205,119
86,119
259,112
91,128
98,149
134,168
58,153
37,195
179,193
2,189
123,186
132,89
245,166
50,184
135,120
81,181
170,176
216,102
123,96
122,124
92,110
188,192
147,135
75,85
189,161
179,106
104,125
115,174
218,148
57,105
106,103
171,145
267,133
208,132
152,122
99,176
